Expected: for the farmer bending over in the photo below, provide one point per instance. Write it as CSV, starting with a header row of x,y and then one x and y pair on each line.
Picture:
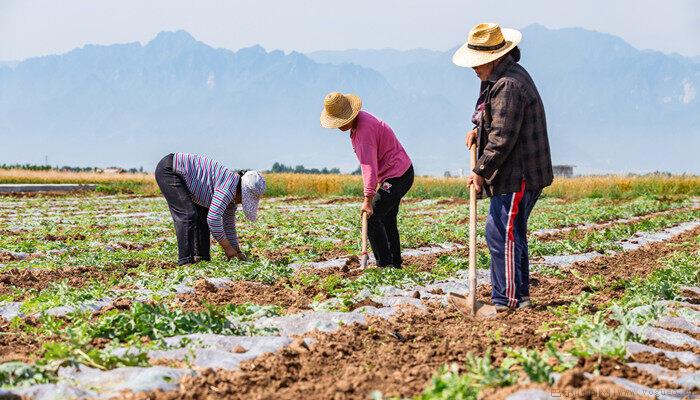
x,y
514,162
383,160
203,196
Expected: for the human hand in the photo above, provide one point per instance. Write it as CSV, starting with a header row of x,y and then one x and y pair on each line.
x,y
471,138
367,207
241,256
476,180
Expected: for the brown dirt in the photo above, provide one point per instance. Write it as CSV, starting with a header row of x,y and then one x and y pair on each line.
x,y
693,335
364,303
413,344
345,364
40,279
611,367
6,256
637,263
63,238
659,359
18,346
240,292
75,276
452,200
573,385
14,232
340,200
119,304
286,293
666,346
131,246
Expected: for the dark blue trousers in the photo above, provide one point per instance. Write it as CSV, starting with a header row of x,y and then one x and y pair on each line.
x,y
506,237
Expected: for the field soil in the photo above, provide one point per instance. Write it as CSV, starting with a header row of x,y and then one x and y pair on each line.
x,y
414,343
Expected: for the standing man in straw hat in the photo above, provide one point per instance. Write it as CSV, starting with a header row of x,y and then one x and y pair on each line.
x,y
203,196
514,162
383,161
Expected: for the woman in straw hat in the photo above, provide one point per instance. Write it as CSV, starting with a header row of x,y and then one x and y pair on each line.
x,y
203,196
513,158
383,161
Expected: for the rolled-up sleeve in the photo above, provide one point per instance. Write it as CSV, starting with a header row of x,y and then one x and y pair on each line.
x,y
507,110
367,155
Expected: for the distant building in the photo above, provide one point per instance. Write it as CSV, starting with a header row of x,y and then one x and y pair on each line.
x,y
113,170
567,171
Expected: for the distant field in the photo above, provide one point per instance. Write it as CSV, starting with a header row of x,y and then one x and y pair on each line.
x,y
615,187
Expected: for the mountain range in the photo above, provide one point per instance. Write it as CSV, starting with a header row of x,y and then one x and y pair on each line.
x,y
610,106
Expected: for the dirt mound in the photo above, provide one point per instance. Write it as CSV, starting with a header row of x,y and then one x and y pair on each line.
x,y
413,345
612,367
40,279
574,385
63,238
659,359
6,256
364,303
204,286
352,262
18,346
119,304
241,292
452,200
128,246
666,346
340,200
76,276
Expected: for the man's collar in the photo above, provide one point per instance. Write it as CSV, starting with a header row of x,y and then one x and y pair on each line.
x,y
501,69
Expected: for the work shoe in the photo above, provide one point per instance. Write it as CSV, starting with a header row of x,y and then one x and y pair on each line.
x,y
525,303
522,304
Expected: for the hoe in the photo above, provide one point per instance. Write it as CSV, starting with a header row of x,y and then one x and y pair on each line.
x,y
469,305
364,258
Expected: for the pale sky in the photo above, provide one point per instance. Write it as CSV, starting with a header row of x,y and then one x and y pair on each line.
x,y
38,27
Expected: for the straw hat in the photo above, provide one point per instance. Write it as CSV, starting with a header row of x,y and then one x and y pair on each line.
x,y
339,109
486,42
252,189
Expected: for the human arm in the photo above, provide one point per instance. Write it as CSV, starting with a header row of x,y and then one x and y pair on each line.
x,y
367,155
216,221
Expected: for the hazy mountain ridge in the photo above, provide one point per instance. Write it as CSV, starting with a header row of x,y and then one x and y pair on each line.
x,y
129,104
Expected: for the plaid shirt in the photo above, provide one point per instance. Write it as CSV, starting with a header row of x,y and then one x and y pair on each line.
x,y
512,140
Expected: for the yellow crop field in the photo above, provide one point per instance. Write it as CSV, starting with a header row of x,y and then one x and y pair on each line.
x,y
610,186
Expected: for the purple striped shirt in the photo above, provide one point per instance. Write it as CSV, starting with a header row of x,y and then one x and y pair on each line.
x,y
212,185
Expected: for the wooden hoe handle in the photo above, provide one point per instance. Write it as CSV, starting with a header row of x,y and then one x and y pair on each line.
x,y
472,235
364,233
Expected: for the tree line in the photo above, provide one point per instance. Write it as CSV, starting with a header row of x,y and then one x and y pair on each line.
x,y
66,168
300,169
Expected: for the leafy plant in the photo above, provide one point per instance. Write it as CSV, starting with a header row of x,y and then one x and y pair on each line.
x,y
15,373
449,384
159,321
76,353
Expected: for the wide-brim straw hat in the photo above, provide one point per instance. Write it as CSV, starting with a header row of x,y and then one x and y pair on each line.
x,y
339,109
485,43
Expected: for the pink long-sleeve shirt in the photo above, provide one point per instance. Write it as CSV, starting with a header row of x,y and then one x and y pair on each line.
x,y
379,152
